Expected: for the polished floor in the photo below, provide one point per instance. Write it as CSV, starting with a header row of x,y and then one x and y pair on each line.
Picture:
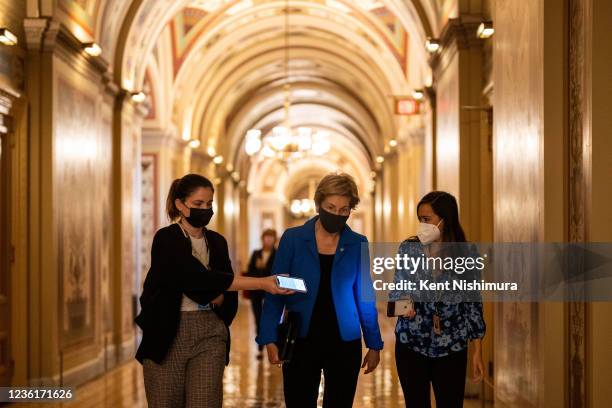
x,y
248,382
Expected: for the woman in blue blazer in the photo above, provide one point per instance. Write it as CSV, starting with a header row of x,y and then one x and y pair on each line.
x,y
337,308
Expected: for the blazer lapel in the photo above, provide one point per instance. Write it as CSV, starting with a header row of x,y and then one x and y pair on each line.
x,y
307,235
341,249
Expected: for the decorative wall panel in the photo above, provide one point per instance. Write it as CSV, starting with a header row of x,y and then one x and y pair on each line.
x,y
578,186
149,209
130,213
104,231
81,165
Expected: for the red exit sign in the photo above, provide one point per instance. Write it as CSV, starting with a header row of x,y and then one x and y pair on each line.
x,y
406,106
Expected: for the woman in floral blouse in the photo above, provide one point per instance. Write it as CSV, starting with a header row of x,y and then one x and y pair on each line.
x,y
432,338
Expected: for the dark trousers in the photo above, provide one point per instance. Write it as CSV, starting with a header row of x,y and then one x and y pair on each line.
x,y
340,363
446,375
257,305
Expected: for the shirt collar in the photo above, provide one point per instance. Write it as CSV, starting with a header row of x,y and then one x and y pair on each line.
x,y
186,234
183,229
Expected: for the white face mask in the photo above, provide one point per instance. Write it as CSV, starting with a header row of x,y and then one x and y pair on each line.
x,y
428,233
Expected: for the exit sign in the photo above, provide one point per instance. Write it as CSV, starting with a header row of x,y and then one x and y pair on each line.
x,y
406,106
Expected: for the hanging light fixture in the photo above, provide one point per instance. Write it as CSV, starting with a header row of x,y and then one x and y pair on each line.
x,y
283,143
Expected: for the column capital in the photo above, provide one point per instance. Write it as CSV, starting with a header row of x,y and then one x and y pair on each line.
x,y
34,31
458,33
6,103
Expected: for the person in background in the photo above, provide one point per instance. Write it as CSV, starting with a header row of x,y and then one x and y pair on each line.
x,y
432,339
338,306
260,265
188,302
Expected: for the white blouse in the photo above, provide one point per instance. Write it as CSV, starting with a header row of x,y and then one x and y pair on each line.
x,y
200,251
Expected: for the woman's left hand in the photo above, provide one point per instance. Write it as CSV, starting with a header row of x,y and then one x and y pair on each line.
x,y
477,367
371,360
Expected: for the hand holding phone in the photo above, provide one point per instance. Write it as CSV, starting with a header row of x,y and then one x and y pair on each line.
x,y
287,282
270,285
403,308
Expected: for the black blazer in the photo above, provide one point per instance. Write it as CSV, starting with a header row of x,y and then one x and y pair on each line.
x,y
255,272
259,273
175,271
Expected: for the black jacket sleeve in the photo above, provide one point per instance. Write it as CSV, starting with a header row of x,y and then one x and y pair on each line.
x,y
219,261
182,272
218,277
229,308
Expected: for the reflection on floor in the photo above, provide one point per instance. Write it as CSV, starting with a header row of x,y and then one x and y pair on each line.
x,y
248,382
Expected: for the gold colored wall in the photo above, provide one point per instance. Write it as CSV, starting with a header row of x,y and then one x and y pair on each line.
x,y
518,199
12,14
447,132
410,187
599,221
530,190
82,211
399,189
75,293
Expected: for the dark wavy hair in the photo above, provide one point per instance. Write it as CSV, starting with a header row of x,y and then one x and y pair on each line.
x,y
444,205
182,188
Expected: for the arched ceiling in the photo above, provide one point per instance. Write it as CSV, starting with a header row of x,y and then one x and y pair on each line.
x,y
214,68
346,59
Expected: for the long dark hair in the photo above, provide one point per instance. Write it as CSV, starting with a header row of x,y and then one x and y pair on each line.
x,y
445,206
183,188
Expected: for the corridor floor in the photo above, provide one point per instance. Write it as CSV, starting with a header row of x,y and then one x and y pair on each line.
x,y
248,382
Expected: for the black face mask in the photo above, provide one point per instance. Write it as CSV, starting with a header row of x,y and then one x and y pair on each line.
x,y
199,217
331,222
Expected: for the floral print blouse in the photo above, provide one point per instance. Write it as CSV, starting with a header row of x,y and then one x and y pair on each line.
x,y
459,321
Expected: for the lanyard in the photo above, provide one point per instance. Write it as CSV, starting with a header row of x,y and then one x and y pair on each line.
x,y
437,327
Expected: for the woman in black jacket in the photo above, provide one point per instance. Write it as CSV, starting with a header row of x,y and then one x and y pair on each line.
x,y
260,265
188,302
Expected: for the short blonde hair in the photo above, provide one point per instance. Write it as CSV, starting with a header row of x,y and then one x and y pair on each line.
x,y
337,184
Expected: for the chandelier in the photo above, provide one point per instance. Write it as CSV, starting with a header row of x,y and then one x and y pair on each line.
x,y
302,208
286,143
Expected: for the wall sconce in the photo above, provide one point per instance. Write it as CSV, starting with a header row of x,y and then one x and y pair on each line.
x,y
211,151
7,37
218,159
139,97
194,143
392,143
432,45
485,30
93,49
380,159
418,94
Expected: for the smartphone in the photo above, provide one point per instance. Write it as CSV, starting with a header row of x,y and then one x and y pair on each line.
x,y
290,283
399,308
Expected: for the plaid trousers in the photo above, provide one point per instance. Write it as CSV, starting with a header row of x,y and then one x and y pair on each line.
x,y
191,375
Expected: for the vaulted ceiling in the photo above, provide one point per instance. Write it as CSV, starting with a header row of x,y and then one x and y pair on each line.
x,y
214,68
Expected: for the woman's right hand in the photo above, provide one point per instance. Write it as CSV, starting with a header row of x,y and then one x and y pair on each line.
x,y
270,285
273,354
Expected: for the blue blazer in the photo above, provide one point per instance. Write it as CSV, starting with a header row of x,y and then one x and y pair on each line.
x,y
351,286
